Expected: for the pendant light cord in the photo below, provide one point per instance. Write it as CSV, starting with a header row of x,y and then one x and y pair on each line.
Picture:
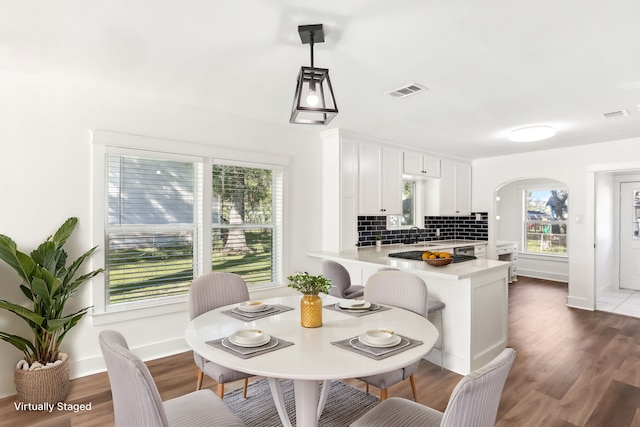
x,y
311,44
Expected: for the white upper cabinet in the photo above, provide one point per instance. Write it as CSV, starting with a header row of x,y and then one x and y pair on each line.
x,y
420,164
455,188
380,179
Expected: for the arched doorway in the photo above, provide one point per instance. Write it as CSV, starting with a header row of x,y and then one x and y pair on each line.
x,y
534,213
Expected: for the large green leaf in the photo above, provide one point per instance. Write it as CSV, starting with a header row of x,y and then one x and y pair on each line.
x,y
46,256
73,268
20,343
22,312
20,262
65,322
25,290
64,232
41,291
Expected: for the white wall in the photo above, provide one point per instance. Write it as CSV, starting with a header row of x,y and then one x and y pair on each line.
x,y
576,167
45,177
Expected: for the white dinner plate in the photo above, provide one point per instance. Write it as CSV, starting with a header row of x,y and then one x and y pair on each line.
x,y
354,305
249,338
395,341
252,306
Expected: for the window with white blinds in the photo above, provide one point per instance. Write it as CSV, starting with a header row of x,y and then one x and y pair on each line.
x,y
157,225
152,227
247,222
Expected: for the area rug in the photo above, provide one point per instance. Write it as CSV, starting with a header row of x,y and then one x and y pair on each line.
x,y
344,405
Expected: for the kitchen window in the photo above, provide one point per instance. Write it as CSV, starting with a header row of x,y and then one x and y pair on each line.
x,y
170,218
545,221
410,205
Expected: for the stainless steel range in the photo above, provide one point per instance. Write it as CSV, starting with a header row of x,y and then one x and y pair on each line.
x,y
417,256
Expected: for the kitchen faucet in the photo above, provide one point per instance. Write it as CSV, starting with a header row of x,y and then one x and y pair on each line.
x,y
410,239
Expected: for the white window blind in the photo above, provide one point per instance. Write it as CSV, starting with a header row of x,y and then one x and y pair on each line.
x,y
151,235
247,222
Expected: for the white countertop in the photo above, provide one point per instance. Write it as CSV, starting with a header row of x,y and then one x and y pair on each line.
x,y
453,271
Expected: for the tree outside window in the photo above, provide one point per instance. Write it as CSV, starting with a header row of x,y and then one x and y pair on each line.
x,y
545,225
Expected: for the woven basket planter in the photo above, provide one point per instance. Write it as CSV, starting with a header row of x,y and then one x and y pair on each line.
x,y
44,385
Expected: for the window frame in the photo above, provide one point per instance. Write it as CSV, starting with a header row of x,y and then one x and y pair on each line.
x,y
419,188
106,142
526,222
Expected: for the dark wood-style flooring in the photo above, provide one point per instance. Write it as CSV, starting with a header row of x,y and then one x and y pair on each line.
x,y
573,368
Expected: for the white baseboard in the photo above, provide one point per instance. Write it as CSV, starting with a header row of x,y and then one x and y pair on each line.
x,y
547,275
93,365
576,302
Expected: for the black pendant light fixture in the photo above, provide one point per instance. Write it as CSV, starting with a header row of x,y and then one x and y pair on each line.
x,y
314,103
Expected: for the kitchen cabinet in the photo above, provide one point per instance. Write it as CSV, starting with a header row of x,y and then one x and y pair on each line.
x,y
339,190
451,194
380,179
419,164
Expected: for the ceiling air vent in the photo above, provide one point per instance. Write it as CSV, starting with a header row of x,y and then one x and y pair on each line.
x,y
614,114
410,89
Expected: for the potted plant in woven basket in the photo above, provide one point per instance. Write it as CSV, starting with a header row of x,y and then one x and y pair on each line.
x,y
47,282
311,303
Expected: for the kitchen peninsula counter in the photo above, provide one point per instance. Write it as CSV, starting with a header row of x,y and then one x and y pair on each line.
x,y
474,325
381,258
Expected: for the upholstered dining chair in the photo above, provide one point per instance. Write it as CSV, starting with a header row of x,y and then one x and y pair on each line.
x,y
137,403
473,402
403,290
434,306
341,286
208,292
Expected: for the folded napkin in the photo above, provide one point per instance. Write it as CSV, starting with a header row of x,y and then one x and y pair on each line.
x,y
375,308
249,352
248,316
377,353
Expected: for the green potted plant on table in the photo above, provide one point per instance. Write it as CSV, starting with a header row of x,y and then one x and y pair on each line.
x,y
43,375
311,303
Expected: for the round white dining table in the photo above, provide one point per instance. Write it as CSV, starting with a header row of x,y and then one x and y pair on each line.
x,y
312,357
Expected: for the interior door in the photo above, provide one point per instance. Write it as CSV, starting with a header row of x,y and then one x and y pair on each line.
x,y
630,235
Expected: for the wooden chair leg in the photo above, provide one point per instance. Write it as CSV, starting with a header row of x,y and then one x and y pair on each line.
x,y
412,380
383,394
367,388
200,377
246,384
220,391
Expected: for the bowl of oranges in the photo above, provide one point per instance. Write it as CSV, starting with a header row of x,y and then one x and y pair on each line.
x,y
436,258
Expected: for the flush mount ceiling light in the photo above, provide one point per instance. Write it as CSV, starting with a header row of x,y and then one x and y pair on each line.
x,y
314,102
531,133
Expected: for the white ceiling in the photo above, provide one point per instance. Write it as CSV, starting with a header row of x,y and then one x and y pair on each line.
x,y
489,66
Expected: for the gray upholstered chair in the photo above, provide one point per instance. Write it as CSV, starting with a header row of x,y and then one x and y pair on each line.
x,y
473,402
403,290
208,292
341,286
137,403
434,306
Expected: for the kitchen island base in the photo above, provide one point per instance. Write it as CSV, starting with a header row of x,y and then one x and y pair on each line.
x,y
474,325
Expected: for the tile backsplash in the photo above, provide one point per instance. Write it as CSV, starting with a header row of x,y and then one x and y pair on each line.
x,y
467,227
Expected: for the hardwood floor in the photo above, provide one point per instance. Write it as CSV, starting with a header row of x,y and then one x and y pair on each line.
x,y
572,368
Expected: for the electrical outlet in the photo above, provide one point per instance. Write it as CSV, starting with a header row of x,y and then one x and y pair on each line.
x,y
478,217
437,232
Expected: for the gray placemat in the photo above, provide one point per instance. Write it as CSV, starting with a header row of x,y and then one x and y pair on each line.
x,y
249,352
375,308
377,353
249,316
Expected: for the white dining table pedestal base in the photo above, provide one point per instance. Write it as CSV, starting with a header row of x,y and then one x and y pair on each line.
x,y
306,395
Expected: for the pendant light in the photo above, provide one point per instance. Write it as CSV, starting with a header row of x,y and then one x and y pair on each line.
x,y
314,102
